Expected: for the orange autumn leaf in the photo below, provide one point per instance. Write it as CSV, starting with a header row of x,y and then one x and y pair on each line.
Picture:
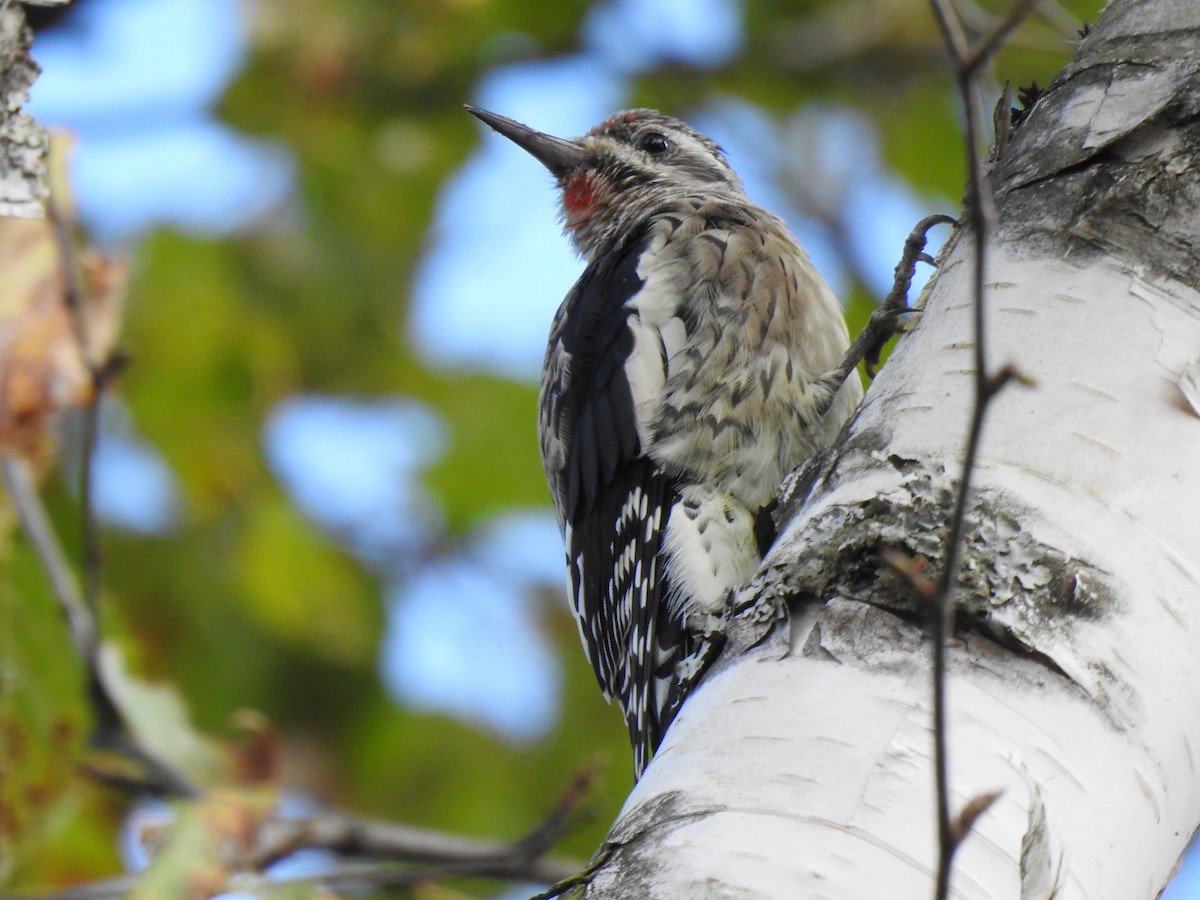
x,y
44,367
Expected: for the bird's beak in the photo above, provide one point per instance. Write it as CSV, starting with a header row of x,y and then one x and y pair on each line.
x,y
559,156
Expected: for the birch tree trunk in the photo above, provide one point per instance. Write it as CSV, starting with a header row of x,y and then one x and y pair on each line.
x,y
802,766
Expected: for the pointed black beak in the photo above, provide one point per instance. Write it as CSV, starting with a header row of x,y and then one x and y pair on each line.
x,y
558,155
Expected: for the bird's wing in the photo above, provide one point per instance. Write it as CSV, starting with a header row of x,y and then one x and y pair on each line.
x,y
613,501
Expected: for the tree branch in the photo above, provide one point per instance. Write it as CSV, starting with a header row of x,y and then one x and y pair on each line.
x,y
110,729
99,372
980,215
377,854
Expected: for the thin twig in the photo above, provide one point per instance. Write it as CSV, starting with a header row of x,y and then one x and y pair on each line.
x,y
563,817
967,64
341,876
345,877
22,489
353,836
110,729
895,303
155,777
994,41
435,853
107,889
81,608
943,596
98,372
579,878
377,854
884,322
953,35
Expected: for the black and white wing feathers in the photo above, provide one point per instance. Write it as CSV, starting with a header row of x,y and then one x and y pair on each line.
x,y
612,500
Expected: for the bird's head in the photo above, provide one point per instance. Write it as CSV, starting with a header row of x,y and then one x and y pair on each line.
x,y
623,171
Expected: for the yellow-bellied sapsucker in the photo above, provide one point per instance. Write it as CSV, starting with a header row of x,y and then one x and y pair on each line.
x,y
683,380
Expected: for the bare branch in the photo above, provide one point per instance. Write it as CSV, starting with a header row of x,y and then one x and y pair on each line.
x,y
987,49
351,876
344,876
98,371
21,487
110,730
953,35
968,61
367,838
377,854
361,838
896,302
108,889
980,215
884,322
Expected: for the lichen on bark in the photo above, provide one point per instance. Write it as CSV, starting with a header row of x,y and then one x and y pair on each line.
x,y
24,142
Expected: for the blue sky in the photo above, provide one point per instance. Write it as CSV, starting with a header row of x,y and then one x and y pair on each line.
x,y
136,81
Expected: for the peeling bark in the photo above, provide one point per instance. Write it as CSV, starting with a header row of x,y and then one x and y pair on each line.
x,y
23,142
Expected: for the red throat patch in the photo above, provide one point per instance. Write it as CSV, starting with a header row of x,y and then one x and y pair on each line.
x,y
579,196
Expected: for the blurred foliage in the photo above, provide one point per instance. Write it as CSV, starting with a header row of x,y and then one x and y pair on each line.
x,y
248,604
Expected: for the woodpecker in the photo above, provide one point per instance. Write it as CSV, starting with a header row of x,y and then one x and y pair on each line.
x,y
684,377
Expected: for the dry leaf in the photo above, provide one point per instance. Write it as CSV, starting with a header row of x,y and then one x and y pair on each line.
x,y
43,367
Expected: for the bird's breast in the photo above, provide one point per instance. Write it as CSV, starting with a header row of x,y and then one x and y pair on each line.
x,y
732,328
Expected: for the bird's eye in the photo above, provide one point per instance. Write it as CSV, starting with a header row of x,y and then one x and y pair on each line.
x,y
654,143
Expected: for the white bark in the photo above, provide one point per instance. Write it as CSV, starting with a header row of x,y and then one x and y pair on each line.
x,y
23,142
802,767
